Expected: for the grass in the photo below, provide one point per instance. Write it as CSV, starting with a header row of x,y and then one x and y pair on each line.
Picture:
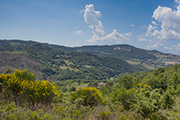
x,y
87,66
148,66
66,67
67,62
133,62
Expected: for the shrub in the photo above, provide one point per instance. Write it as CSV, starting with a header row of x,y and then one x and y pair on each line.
x,y
126,81
167,100
148,102
89,96
126,97
42,92
13,84
24,75
16,86
22,84
2,81
4,78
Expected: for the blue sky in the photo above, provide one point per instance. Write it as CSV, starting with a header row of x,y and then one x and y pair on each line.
x,y
147,24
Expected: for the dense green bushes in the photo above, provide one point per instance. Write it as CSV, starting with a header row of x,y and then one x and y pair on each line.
x,y
156,90
126,97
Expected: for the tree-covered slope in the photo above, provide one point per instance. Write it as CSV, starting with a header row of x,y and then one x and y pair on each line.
x,y
14,45
121,51
58,64
63,65
150,59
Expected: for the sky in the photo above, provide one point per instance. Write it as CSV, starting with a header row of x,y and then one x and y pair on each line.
x,y
146,24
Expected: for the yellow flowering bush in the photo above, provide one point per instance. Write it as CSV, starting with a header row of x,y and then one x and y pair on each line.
x,y
42,92
17,81
89,96
2,77
22,84
2,81
15,85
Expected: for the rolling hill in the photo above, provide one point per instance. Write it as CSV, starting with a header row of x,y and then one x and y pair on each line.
x,y
57,62
151,59
53,62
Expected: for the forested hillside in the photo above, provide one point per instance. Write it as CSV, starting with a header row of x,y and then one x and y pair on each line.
x,y
52,63
150,59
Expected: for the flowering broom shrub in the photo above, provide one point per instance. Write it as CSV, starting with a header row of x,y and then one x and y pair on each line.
x,y
87,96
15,86
2,81
42,92
22,84
14,83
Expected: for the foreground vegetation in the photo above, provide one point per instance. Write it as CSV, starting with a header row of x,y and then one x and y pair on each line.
x,y
144,95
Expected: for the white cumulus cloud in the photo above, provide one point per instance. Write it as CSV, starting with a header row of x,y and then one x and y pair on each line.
x,y
158,44
142,40
132,25
144,26
175,47
154,23
91,17
110,37
78,32
169,21
167,48
150,40
149,30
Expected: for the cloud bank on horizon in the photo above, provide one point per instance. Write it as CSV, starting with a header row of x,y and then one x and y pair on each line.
x,y
91,17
